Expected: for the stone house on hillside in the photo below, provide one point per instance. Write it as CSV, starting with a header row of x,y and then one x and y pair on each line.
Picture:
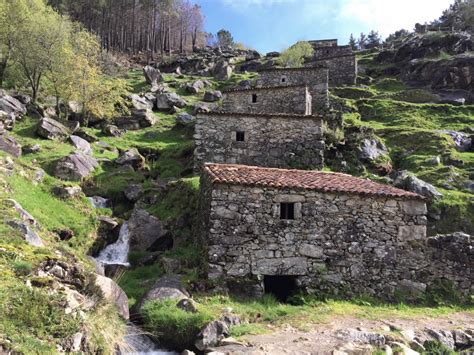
x,y
340,61
273,140
274,230
292,99
315,78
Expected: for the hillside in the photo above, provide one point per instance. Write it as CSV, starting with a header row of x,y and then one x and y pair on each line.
x,y
391,123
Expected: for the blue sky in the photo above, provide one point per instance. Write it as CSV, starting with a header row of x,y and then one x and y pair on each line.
x,y
268,25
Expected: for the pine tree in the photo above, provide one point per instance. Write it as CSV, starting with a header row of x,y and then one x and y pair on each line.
x,y
373,40
362,41
352,42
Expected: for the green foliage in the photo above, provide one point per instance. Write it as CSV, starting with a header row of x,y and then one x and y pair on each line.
x,y
22,267
434,347
173,326
295,55
224,38
136,282
355,93
443,292
390,85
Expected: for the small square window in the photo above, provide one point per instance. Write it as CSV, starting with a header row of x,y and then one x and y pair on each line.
x,y
254,98
240,136
287,210
283,80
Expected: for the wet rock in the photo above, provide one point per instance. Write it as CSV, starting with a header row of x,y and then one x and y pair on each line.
x,y
212,96
187,305
146,230
52,129
113,293
167,101
152,75
185,119
403,179
167,287
81,144
67,191
75,167
132,158
10,145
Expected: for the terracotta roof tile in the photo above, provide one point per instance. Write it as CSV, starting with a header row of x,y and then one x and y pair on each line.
x,y
301,179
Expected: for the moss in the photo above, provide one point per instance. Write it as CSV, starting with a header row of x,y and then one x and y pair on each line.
x,y
390,85
355,93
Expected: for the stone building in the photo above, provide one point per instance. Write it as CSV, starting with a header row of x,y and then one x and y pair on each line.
x,y
273,140
315,78
274,230
291,99
340,61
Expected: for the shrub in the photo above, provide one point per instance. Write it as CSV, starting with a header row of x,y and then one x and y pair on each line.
x,y
295,55
22,267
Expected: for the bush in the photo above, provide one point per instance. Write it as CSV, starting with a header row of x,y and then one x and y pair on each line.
x,y
391,85
22,267
173,327
295,55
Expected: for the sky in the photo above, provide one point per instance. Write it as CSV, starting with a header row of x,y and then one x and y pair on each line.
x,y
273,25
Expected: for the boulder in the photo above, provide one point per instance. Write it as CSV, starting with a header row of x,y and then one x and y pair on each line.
x,y
133,192
30,236
222,70
7,120
200,107
146,230
251,55
245,84
443,336
141,103
170,265
252,65
216,331
145,118
364,337
81,144
272,54
131,157
411,290
185,119
112,131
52,129
9,145
152,75
195,87
113,293
404,180
166,101
167,287
187,305
24,99
32,149
371,149
86,136
11,106
75,167
463,141
212,96
67,191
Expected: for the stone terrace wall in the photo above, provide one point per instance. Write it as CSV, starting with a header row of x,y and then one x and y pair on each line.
x,y
284,99
339,243
330,52
270,140
315,78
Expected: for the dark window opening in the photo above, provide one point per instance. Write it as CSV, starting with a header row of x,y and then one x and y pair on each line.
x,y
240,136
254,98
283,80
287,210
327,51
281,286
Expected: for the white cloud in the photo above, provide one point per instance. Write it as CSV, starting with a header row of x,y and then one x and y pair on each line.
x,y
387,16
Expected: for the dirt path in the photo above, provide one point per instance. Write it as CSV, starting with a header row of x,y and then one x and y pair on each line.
x,y
324,338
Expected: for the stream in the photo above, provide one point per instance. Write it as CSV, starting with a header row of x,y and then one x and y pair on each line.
x,y
138,343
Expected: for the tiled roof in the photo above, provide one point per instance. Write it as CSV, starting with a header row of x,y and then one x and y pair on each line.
x,y
301,179
251,114
318,67
265,88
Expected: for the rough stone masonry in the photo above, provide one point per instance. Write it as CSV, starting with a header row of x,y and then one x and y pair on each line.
x,y
273,140
344,235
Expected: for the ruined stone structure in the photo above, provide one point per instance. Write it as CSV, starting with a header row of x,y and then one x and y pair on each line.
x,y
322,232
294,99
315,78
340,61
274,140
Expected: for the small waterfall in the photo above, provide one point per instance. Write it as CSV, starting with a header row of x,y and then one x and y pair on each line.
x,y
140,344
99,202
117,253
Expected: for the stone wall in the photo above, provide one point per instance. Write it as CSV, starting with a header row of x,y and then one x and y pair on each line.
x,y
269,140
330,52
323,43
316,78
342,69
283,99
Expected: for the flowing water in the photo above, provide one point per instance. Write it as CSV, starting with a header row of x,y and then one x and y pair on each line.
x,y
140,344
117,253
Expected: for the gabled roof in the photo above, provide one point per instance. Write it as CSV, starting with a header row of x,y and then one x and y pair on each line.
x,y
301,179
